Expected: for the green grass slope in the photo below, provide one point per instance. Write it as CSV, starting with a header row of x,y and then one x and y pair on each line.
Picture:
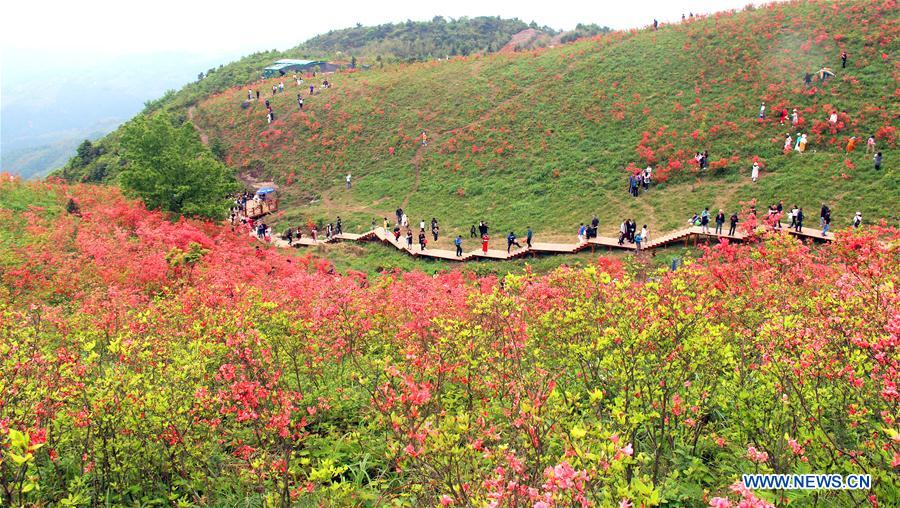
x,y
545,138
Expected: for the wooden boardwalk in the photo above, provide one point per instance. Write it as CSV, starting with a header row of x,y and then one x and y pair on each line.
x,y
685,236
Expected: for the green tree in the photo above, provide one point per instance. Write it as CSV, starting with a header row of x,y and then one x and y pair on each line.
x,y
170,169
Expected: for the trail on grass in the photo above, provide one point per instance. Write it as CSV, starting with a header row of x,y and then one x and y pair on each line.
x,y
203,137
417,163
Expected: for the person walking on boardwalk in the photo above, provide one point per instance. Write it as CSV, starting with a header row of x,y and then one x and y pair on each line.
x,y
510,241
595,224
825,211
472,233
733,228
409,238
404,220
799,224
645,234
826,223
779,208
623,231
314,233
458,243
720,221
632,229
581,232
793,216
637,241
397,233
340,225
857,220
422,240
484,243
704,220
528,235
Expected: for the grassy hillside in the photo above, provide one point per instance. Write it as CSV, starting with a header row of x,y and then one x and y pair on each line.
x,y
546,138
150,362
418,40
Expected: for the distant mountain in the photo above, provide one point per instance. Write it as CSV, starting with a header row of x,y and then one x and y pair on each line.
x,y
48,110
420,40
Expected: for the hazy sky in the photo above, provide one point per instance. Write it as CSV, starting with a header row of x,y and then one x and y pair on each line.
x,y
228,27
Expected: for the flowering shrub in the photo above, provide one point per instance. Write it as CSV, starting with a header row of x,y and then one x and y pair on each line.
x,y
147,361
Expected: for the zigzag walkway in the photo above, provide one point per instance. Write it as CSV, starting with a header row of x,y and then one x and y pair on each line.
x,y
681,235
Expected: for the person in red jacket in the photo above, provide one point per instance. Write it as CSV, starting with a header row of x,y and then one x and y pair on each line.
x,y
484,243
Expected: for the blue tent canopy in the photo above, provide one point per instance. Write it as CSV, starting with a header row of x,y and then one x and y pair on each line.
x,y
265,190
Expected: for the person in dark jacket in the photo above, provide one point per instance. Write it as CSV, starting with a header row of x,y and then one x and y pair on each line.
x,y
877,160
720,221
528,237
510,241
734,222
799,227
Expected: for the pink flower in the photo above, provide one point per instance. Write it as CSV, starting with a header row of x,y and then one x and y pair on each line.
x,y
719,502
541,504
446,500
624,503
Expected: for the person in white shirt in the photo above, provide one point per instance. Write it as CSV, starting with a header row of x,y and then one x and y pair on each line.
x,y
348,180
833,118
754,173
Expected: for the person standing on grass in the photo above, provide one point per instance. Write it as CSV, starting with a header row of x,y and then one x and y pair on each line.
x,y
424,139
754,172
843,59
472,233
300,102
250,95
788,143
870,144
510,241
484,243
434,231
877,161
704,220
799,223
458,243
720,221
851,144
422,226
528,237
385,224
857,220
784,115
733,227
795,117
655,24
257,94
312,89
762,111
801,145
399,214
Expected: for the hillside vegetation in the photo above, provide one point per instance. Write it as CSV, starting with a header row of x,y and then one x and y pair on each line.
x,y
151,362
418,40
547,138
